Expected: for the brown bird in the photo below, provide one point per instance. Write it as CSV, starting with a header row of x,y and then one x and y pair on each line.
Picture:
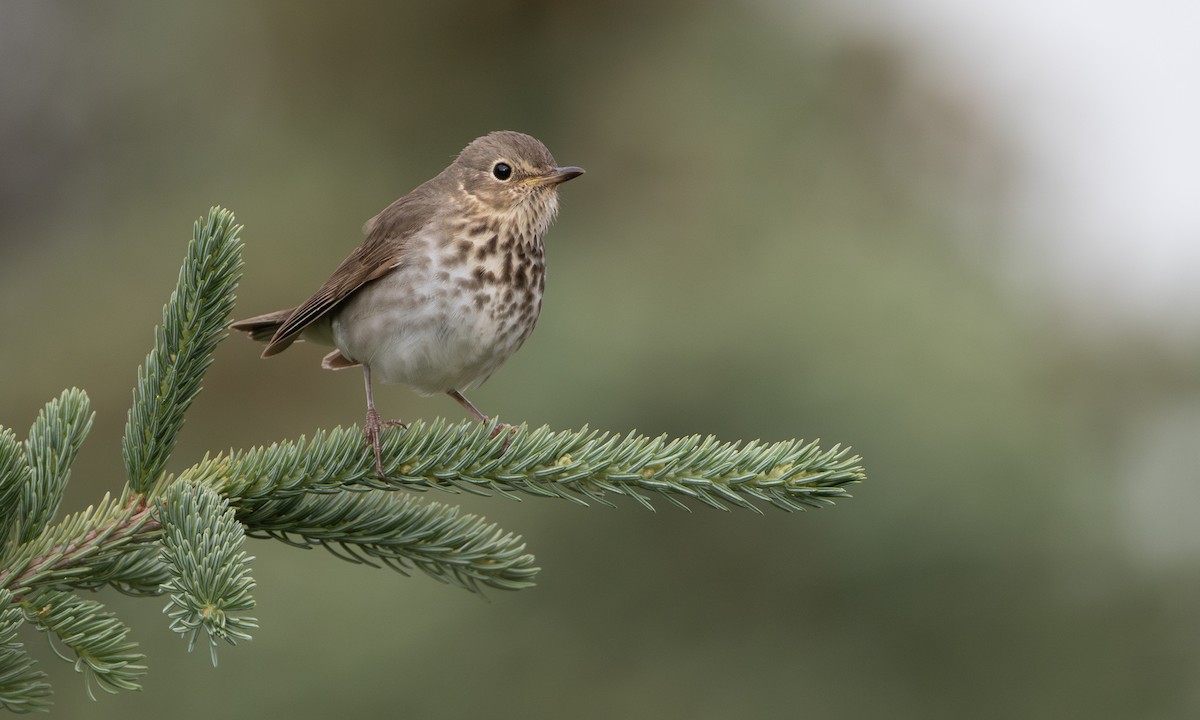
x,y
447,284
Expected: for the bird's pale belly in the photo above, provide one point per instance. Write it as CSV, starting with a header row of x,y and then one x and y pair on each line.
x,y
414,329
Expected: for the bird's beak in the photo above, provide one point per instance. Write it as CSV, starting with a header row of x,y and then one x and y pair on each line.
x,y
557,176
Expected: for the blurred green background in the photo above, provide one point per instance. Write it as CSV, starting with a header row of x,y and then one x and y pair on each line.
x,y
785,231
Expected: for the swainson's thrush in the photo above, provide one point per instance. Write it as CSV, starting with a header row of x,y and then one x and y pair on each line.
x,y
447,284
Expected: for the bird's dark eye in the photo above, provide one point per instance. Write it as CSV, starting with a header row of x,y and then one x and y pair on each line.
x,y
502,171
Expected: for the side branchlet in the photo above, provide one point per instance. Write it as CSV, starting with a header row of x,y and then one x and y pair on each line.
x,y
210,573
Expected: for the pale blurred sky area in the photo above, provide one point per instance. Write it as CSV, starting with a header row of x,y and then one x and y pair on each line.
x,y
1101,102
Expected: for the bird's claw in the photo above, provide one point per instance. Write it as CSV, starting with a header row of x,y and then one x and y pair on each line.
x,y
371,428
503,427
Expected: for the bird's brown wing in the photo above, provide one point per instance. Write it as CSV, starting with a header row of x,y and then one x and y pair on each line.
x,y
387,241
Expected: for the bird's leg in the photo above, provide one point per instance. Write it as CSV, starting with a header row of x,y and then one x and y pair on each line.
x,y
373,424
462,400
468,405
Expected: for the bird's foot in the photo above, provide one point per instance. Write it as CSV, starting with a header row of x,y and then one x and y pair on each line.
x,y
371,428
503,428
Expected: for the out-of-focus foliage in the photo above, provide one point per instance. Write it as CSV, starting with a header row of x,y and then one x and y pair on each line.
x,y
783,232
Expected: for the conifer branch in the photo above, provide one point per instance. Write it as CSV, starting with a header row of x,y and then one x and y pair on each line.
x,y
86,550
583,465
23,687
399,531
210,573
194,321
95,637
137,569
14,478
53,442
183,534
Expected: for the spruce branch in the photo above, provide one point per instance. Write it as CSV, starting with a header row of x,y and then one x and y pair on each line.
x,y
578,465
401,532
210,573
194,321
95,637
88,549
23,687
137,569
14,476
183,534
53,443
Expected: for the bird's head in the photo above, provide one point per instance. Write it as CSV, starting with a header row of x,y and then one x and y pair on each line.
x,y
511,172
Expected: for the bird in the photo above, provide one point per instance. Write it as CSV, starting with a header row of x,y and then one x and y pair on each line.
x,y
446,285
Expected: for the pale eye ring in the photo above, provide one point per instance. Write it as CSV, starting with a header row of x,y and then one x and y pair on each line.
x,y
502,171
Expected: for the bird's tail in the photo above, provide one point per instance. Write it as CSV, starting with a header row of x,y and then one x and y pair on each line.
x,y
263,327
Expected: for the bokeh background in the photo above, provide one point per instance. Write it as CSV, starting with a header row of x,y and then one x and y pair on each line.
x,y
962,237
